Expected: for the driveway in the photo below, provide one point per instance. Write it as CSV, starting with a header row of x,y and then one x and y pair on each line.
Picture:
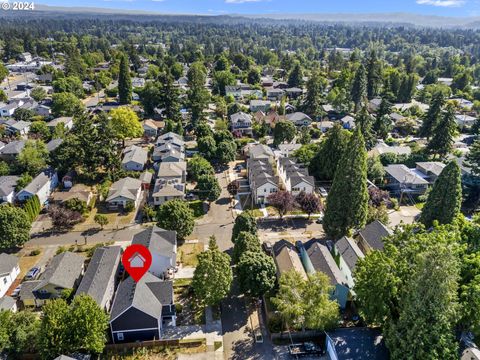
x,y
405,215
238,343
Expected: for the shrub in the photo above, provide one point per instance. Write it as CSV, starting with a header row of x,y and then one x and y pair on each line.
x,y
129,206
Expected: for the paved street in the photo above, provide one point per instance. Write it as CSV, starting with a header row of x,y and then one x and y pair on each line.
x,y
92,236
289,229
218,221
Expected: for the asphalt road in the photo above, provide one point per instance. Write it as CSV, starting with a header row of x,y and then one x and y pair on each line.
x,y
91,236
218,221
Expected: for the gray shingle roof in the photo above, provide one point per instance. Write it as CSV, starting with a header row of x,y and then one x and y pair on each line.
x,y
298,116
7,184
53,144
39,181
404,175
260,151
64,269
240,116
148,295
349,251
135,154
13,148
127,187
7,263
6,303
157,240
60,120
373,234
20,125
324,262
103,265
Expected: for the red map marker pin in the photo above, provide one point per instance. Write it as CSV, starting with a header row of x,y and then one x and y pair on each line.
x,y
136,260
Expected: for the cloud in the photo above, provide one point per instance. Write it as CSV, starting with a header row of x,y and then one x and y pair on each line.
x,y
442,3
241,1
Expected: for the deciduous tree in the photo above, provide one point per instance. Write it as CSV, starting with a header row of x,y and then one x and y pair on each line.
x,y
208,188
213,275
245,242
256,273
14,227
198,166
309,203
247,222
282,201
176,215
284,131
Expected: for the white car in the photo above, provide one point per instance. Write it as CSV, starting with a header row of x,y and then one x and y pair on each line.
x,y
323,192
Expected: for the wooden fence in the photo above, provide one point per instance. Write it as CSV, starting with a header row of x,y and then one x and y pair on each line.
x,y
153,344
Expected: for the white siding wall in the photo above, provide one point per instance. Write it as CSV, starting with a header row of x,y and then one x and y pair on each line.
x,y
7,281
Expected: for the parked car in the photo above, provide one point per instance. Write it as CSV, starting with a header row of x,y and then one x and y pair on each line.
x,y
305,349
16,292
190,196
320,219
323,192
239,168
33,273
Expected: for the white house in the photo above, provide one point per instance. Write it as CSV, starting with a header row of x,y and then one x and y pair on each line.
x,y
134,158
465,120
295,176
163,248
124,191
7,188
241,124
262,180
9,270
42,186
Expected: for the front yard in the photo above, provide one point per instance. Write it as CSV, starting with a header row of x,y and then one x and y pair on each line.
x,y
188,252
189,311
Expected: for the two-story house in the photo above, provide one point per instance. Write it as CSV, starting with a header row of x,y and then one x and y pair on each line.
x,y
241,124
163,247
142,310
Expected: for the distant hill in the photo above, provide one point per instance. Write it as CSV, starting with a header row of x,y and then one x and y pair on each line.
x,y
348,18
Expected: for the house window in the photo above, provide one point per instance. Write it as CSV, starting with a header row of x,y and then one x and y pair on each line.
x,y
120,336
295,189
4,280
273,191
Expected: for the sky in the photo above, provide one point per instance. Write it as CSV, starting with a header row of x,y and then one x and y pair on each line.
x,y
460,8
